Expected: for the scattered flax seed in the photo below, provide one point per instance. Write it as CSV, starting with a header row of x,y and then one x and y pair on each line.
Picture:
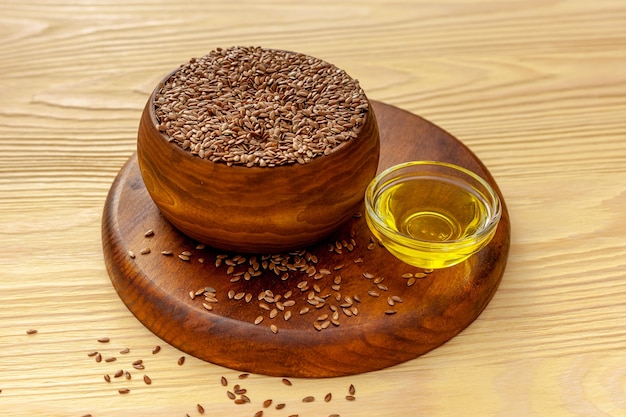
x,y
123,390
350,397
243,376
104,340
181,360
124,351
287,382
147,380
107,378
280,406
224,381
127,375
98,357
267,403
119,373
308,399
110,359
334,415
351,389
156,349
231,395
31,331
149,233
328,397
92,354
258,413
200,409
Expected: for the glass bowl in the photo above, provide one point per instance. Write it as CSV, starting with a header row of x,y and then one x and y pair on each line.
x,y
431,214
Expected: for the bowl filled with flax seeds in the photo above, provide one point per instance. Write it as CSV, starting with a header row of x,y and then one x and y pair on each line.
x,y
257,150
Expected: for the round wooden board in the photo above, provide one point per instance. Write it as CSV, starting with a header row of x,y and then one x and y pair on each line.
x,y
365,335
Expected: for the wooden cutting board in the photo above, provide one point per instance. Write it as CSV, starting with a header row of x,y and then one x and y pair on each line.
x,y
341,307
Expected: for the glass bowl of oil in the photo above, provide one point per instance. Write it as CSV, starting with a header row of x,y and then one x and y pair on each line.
x,y
431,214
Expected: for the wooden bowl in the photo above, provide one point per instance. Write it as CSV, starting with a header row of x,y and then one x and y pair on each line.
x,y
256,209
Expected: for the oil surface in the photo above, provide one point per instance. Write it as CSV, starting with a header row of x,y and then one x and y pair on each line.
x,y
432,211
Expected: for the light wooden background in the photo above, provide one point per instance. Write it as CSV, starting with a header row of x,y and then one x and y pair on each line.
x,y
536,88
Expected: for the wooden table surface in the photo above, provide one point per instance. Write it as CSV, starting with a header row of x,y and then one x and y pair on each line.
x,y
536,89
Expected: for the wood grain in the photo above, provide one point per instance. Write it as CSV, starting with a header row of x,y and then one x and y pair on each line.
x,y
535,88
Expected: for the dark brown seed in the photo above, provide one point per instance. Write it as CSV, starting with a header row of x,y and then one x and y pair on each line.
x,y
124,351
123,390
308,399
92,354
258,413
104,340
245,398
352,390
224,381
287,382
110,359
156,349
267,403
243,376
181,360
107,378
147,380
280,406
334,415
239,401
350,397
231,395
200,409
98,357
31,331
328,397
119,373
127,375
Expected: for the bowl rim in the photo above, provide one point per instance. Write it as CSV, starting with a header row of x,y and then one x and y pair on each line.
x,y
482,234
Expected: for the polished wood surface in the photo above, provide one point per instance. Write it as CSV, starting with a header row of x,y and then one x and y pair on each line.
x,y
310,310
536,89
256,209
